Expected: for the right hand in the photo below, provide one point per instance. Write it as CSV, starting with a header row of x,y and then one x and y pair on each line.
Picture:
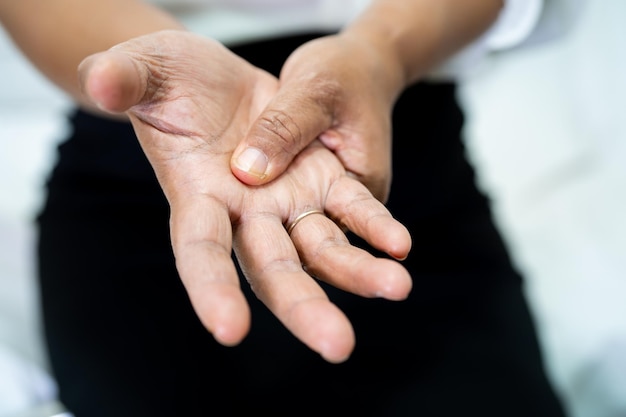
x,y
191,101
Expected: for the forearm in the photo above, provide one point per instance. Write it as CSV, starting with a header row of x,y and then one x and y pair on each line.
x,y
414,36
57,35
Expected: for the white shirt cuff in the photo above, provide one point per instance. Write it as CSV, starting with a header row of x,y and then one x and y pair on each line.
x,y
516,22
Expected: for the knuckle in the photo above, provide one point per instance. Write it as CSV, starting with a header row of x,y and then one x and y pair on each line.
x,y
282,128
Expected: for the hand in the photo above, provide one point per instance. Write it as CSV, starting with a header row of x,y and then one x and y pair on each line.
x,y
191,101
338,89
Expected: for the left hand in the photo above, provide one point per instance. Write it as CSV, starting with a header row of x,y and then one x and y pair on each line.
x,y
339,89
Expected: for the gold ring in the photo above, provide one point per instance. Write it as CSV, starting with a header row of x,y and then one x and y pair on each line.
x,y
302,216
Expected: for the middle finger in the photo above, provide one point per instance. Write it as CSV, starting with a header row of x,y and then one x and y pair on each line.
x,y
271,264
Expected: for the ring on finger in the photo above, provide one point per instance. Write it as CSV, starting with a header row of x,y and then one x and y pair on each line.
x,y
301,217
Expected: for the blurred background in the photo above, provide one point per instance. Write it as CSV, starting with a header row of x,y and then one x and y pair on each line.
x,y
31,123
545,128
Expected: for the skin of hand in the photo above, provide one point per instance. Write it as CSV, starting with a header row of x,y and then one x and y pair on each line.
x,y
57,35
190,101
336,84
341,89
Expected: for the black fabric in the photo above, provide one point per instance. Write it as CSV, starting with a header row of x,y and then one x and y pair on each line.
x,y
124,341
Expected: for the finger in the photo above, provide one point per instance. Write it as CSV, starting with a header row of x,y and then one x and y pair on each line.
x,y
293,119
271,264
327,254
351,205
365,155
201,238
113,80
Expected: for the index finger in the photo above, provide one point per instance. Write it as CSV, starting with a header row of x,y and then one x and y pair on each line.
x,y
201,238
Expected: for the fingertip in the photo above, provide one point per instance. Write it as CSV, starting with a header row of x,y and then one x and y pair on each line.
x,y
325,329
90,82
335,359
231,330
224,312
339,342
110,81
400,242
335,351
228,336
395,282
391,237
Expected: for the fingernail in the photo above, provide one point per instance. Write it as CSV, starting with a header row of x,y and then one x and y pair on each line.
x,y
253,161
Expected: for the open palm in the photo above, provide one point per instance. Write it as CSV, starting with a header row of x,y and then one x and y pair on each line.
x,y
191,101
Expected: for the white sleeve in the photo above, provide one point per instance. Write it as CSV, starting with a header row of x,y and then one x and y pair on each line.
x,y
520,23
516,22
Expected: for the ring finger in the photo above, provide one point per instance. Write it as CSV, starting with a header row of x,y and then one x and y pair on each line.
x,y
327,254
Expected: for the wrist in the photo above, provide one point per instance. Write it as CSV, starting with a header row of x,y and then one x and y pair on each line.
x,y
415,36
385,69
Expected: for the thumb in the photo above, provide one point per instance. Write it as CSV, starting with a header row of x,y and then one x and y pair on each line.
x,y
290,122
112,81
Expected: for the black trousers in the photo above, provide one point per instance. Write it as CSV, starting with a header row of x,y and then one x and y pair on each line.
x,y
124,341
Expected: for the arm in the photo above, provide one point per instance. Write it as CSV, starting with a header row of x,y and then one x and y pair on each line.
x,y
344,86
188,117
57,35
415,36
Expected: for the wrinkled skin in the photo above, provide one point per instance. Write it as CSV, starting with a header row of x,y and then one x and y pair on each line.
x,y
191,101
345,91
